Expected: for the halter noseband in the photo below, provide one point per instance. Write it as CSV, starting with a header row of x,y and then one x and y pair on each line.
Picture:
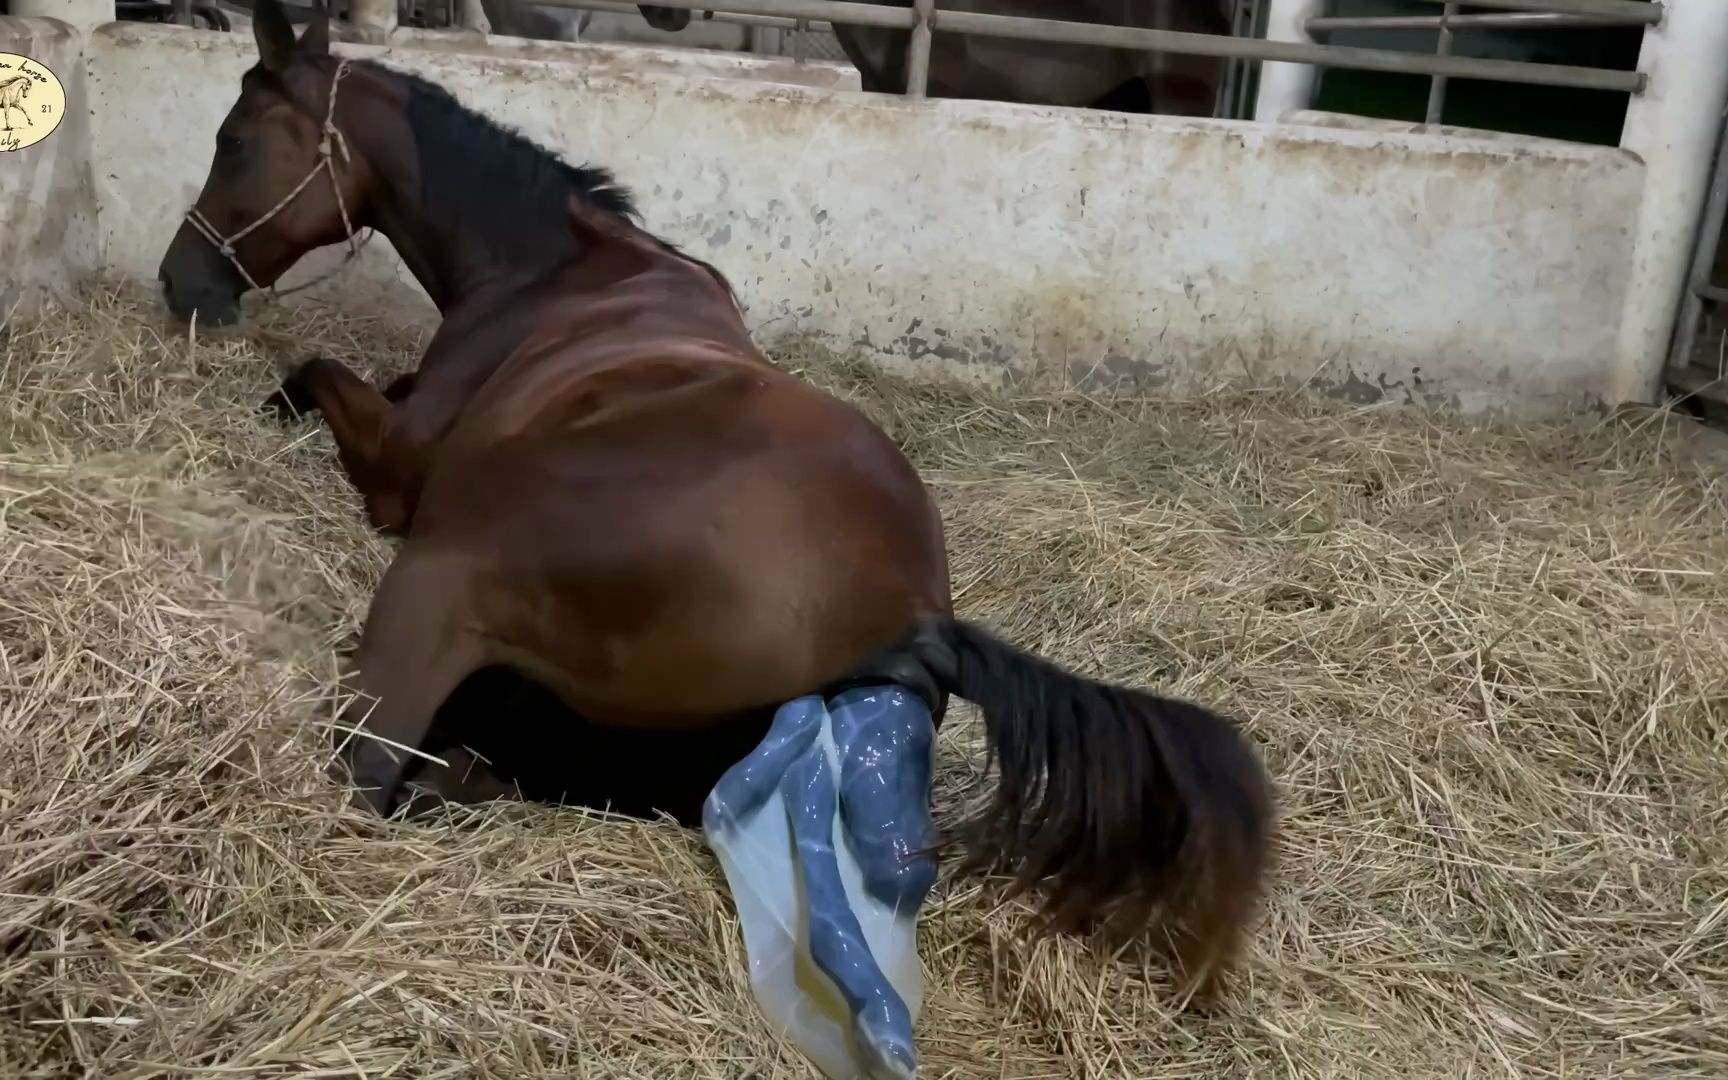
x,y
332,143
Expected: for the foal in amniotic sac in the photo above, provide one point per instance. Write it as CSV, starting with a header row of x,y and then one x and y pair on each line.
x,y
600,483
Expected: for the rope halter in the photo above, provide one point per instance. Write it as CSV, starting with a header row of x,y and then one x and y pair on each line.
x,y
332,144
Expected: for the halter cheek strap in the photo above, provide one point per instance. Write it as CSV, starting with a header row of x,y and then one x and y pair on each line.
x,y
329,146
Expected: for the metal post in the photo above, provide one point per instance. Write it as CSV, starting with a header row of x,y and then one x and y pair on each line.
x,y
1235,69
1710,238
1672,127
1284,87
918,55
372,21
1437,83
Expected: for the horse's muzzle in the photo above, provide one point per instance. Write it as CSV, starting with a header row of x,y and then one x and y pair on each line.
x,y
197,281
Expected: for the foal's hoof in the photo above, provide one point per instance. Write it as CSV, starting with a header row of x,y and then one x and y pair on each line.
x,y
885,1055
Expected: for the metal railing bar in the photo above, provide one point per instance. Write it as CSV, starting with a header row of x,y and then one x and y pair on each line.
x,y
1632,11
1694,382
1528,20
833,11
772,22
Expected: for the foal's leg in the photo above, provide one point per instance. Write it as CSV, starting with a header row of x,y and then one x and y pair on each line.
x,y
887,754
418,645
750,783
881,1022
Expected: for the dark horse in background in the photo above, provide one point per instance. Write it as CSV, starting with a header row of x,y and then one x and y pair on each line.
x,y
600,484
1040,72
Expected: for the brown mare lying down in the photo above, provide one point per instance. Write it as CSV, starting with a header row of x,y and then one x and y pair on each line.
x,y
602,485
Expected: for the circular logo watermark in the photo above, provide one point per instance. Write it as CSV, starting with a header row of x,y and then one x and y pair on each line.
x,y
32,102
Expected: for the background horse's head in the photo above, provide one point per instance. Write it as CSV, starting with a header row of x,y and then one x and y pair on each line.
x,y
665,18
278,186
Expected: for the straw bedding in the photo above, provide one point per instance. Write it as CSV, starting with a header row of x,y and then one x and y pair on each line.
x,y
1488,665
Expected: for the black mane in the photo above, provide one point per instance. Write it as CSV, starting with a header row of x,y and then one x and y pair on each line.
x,y
504,187
512,192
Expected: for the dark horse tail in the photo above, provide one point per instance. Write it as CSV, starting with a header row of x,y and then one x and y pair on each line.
x,y
1121,805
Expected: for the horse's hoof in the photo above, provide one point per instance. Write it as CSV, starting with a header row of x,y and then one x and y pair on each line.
x,y
369,798
401,387
368,802
289,404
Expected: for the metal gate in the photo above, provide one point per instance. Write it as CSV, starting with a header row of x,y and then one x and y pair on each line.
x,y
1698,355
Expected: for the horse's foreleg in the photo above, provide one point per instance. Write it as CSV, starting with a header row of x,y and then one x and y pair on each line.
x,y
418,646
358,416
473,16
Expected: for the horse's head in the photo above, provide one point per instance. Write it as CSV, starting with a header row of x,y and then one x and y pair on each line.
x,y
665,18
280,184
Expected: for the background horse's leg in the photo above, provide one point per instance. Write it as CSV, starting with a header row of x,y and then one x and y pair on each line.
x,y
473,16
418,645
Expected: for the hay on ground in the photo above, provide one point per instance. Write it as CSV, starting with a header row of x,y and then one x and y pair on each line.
x,y
1487,663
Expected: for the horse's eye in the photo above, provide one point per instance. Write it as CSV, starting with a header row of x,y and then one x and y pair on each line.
x,y
228,145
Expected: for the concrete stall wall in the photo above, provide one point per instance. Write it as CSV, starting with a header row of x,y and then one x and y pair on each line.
x,y
976,237
48,237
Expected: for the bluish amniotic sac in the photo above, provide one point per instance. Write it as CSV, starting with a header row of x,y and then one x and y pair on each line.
x,y
858,766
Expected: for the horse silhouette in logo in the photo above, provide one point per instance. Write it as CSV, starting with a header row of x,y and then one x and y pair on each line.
x,y
12,93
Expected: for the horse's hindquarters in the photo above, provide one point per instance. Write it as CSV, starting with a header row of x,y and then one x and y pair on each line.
x,y
674,571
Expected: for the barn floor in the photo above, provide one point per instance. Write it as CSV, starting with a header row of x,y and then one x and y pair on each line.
x,y
1488,665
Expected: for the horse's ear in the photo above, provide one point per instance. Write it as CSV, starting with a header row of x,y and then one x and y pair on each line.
x,y
275,37
315,41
